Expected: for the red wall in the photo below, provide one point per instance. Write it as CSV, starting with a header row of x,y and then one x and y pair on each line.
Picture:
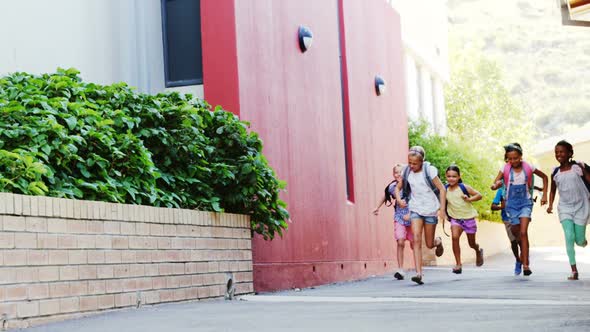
x,y
294,101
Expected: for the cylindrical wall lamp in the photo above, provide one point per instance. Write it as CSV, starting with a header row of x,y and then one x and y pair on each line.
x,y
379,85
305,38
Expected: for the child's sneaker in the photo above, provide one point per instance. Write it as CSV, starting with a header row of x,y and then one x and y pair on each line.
x,y
418,279
517,268
399,275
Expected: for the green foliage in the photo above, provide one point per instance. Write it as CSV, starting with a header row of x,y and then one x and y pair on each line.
x,y
62,137
480,110
476,169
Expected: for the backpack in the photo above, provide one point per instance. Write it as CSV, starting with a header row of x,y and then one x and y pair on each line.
x,y
583,165
427,177
528,173
388,195
461,185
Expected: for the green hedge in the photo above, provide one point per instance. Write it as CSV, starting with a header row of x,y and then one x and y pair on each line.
x,y
476,170
63,137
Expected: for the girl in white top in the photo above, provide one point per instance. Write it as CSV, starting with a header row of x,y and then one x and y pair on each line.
x,y
420,182
574,201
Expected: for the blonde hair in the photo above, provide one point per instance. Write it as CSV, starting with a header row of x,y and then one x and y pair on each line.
x,y
417,151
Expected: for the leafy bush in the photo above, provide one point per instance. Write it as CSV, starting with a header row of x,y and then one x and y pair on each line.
x,y
62,137
476,169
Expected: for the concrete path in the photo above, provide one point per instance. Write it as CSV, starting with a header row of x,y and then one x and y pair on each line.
x,y
489,298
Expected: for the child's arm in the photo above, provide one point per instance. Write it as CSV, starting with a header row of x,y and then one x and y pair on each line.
x,y
542,175
380,203
551,196
442,211
497,181
398,189
585,172
498,202
474,195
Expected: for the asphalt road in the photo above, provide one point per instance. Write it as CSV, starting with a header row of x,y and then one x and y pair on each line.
x,y
489,298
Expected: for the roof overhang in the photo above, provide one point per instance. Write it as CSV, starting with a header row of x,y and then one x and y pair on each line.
x,y
575,12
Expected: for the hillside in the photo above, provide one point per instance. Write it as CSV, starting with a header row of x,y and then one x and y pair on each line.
x,y
546,65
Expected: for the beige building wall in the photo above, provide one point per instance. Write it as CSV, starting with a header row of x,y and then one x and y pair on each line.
x,y
62,258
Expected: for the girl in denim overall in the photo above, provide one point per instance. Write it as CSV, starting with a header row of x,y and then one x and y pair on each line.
x,y
518,177
574,200
402,226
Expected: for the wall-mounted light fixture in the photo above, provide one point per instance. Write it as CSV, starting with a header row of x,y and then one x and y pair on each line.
x,y
305,38
379,85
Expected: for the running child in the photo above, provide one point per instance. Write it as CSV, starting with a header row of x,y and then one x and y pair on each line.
x,y
402,225
462,215
517,176
498,204
574,200
421,184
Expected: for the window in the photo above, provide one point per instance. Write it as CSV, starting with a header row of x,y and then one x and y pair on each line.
x,y
181,31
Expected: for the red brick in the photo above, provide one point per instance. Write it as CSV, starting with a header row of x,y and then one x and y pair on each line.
x,y
78,288
15,292
7,240
38,291
27,309
106,301
46,241
48,307
36,224
67,305
14,223
89,303
48,273
68,273
96,287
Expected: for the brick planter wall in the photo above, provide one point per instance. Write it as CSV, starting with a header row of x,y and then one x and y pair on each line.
x,y
62,258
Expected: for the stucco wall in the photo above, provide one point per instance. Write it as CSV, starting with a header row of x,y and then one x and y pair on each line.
x,y
107,40
63,258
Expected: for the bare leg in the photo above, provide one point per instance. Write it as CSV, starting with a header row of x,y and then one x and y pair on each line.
x,y
456,232
417,227
401,244
475,246
524,244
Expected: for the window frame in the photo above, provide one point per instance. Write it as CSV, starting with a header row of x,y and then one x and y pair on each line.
x,y
168,83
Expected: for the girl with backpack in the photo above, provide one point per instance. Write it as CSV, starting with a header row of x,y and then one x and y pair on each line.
x,y
574,200
421,185
517,177
402,225
462,215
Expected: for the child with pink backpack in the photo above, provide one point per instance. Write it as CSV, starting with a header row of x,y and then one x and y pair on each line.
x,y
517,177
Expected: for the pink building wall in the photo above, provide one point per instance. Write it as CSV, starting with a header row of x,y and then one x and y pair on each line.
x,y
294,100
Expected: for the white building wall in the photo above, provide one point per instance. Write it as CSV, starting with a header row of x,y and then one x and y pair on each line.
x,y
107,40
425,37
412,88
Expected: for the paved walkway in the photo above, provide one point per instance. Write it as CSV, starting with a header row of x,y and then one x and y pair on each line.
x,y
489,298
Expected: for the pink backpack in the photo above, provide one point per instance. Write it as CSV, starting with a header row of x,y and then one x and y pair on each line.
x,y
528,171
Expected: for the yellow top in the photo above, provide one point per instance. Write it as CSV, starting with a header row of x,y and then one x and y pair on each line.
x,y
457,208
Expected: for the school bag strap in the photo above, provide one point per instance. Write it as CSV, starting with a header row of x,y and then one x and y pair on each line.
x,y
528,172
425,169
462,186
582,165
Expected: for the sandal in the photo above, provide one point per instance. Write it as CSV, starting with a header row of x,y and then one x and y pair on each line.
x,y
479,257
573,276
458,270
439,247
418,279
